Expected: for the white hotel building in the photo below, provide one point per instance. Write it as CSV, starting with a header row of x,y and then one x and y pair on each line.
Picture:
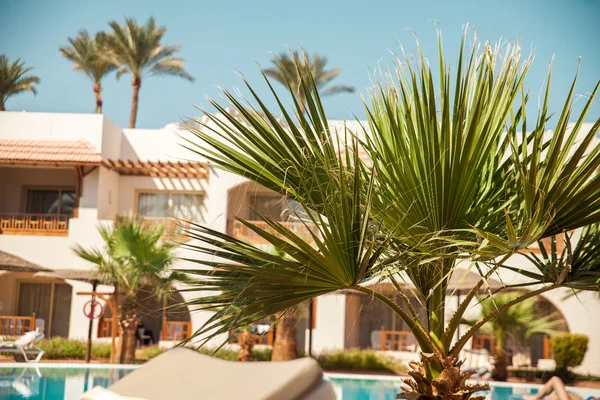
x,y
63,174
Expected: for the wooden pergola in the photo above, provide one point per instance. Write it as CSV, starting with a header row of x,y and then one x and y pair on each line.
x,y
160,169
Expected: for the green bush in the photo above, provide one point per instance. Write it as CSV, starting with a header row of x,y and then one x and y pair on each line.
x,y
569,350
101,350
358,360
59,348
148,353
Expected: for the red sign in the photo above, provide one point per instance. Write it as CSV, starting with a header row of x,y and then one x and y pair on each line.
x,y
93,309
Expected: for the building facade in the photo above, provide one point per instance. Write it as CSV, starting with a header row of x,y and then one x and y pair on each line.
x,y
61,175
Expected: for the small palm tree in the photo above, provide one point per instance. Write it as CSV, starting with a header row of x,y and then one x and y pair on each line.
x,y
137,49
14,79
286,72
134,256
443,171
519,322
88,56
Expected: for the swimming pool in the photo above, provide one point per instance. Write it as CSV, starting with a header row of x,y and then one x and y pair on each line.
x,y
51,382
70,381
367,387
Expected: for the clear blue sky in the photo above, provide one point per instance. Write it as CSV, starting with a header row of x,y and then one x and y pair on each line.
x,y
218,37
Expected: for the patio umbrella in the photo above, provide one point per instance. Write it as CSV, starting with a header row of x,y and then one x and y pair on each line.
x,y
11,263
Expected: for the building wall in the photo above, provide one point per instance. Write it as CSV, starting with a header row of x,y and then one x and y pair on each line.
x,y
52,126
330,323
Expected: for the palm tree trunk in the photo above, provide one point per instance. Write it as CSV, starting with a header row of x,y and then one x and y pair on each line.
x,y
246,343
284,347
136,82
2,108
127,330
500,372
97,93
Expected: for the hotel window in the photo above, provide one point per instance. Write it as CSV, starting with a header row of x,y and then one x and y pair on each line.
x,y
266,206
50,201
186,206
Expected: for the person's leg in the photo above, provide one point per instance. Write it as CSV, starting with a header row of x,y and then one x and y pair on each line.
x,y
554,385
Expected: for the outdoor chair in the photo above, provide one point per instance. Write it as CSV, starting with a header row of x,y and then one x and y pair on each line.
x,y
143,337
24,345
175,375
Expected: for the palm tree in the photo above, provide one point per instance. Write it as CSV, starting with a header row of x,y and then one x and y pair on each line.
x,y
286,72
520,322
14,79
436,176
88,56
285,344
137,49
134,255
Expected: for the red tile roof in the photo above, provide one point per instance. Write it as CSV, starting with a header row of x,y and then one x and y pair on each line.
x,y
48,152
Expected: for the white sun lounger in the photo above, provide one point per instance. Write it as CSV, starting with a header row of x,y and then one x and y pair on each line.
x,y
24,345
478,361
185,374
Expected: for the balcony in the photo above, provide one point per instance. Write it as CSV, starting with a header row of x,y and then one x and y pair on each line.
x,y
34,224
242,232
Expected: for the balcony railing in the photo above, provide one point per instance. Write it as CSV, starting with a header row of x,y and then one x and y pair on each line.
x,y
242,232
171,330
34,224
398,341
174,228
15,325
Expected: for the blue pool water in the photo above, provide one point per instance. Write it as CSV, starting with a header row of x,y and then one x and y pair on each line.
x,y
52,383
46,383
368,389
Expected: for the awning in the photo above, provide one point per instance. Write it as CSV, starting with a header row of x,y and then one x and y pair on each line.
x,y
161,169
49,152
10,262
85,275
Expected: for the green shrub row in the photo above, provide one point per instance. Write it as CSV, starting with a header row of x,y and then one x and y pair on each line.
x,y
148,353
358,360
59,348
350,360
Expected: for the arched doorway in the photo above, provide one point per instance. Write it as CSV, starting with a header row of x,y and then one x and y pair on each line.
x,y
539,344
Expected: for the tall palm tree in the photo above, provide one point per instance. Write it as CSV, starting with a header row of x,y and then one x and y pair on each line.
x,y
134,256
286,72
520,322
88,56
137,50
437,175
14,79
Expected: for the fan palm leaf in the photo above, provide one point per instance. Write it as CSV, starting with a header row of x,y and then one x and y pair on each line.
x,y
452,173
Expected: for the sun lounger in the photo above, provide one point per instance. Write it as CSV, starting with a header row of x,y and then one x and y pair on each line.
x,y
186,374
24,345
478,361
